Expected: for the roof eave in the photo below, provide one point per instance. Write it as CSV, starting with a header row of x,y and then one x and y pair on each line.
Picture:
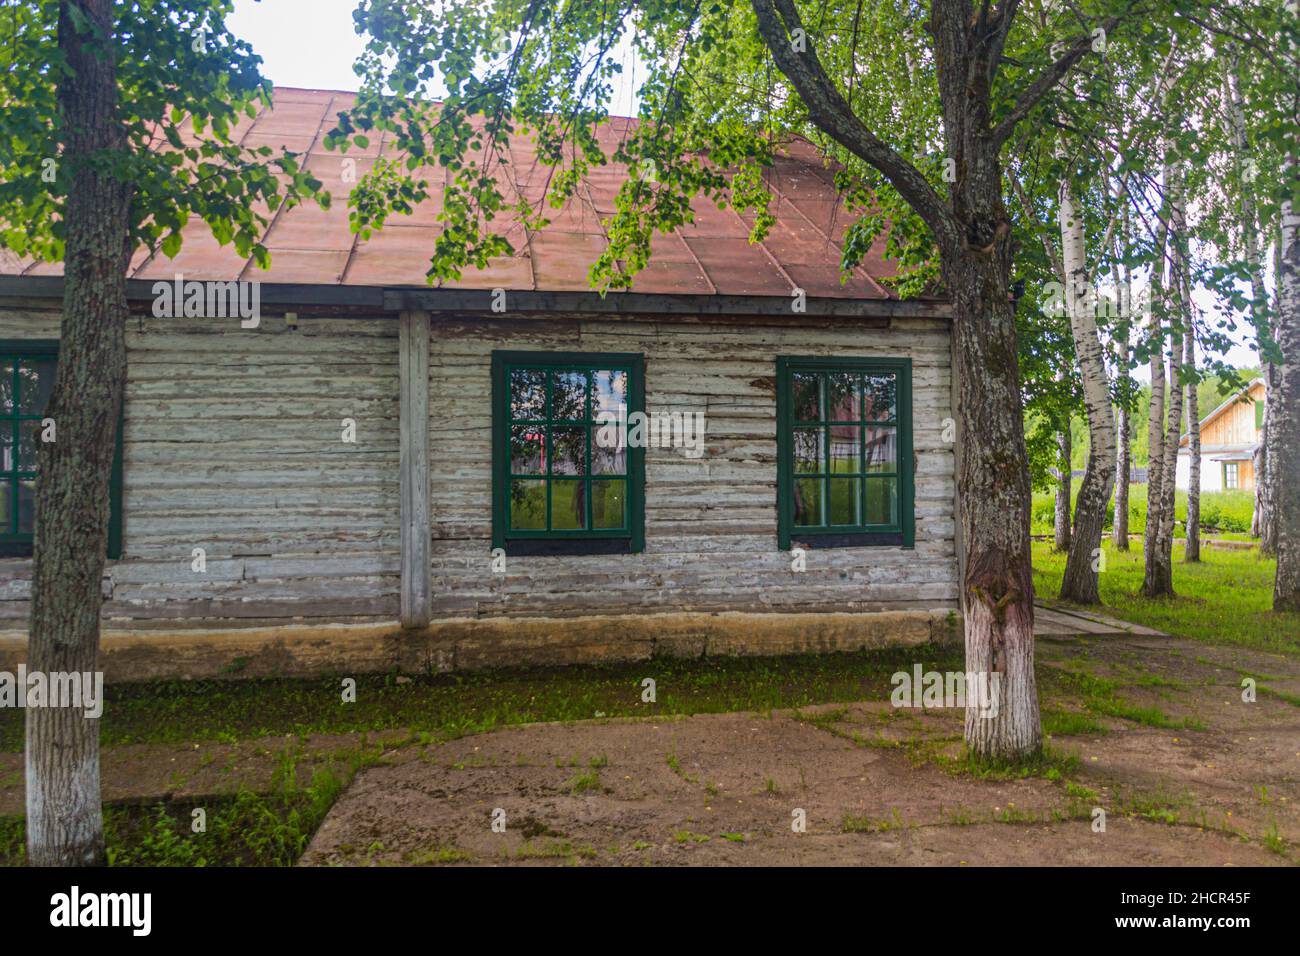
x,y
278,297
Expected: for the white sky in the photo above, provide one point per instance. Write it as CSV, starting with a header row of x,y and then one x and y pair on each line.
x,y
313,44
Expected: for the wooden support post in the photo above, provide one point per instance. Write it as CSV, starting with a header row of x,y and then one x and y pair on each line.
x,y
413,352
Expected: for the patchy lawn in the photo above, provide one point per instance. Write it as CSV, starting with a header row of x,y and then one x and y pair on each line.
x,y
264,759
1225,599
1152,731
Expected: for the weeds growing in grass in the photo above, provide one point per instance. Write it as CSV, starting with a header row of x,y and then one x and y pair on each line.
x,y
246,828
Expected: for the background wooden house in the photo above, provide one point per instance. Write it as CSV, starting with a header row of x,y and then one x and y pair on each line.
x,y
1229,436
473,519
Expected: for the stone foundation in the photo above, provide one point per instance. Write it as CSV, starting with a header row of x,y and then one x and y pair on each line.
x,y
309,650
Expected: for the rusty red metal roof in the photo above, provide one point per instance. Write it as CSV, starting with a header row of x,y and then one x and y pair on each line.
x,y
712,256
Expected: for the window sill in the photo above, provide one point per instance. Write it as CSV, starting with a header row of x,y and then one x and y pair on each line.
x,y
856,539
557,547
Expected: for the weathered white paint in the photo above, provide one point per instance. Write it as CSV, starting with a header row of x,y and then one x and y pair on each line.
x,y
233,443
710,523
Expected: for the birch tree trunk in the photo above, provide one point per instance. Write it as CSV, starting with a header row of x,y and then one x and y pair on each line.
x,y
1164,550
1261,524
1124,464
1192,553
1081,567
1284,450
1123,471
1064,489
1157,577
64,819
1274,409
1155,583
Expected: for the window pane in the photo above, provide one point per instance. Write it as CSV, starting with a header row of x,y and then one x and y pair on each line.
x,y
29,433
808,456
26,507
6,389
844,501
6,506
881,453
807,396
880,397
842,397
808,502
608,451
6,447
568,451
528,505
568,505
569,396
608,504
527,450
882,501
528,393
35,381
609,391
845,442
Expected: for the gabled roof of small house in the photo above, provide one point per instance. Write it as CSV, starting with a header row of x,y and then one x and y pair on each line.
x,y
710,257
1222,408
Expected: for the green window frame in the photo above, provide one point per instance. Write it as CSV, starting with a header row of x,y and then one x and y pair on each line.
x,y
836,484
553,491
20,425
1230,468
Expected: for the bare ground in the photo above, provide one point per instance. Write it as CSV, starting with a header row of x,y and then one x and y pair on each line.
x,y
1216,785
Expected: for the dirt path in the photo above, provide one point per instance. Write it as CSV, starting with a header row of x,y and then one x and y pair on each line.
x,y
1186,772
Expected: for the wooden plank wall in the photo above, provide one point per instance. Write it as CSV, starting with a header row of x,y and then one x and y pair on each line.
x,y
233,444
710,523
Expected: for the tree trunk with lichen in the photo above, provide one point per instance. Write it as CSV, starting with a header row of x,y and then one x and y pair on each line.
x,y
64,818
973,233
994,483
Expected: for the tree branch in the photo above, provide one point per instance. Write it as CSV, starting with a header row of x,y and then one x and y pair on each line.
x,y
1031,95
829,111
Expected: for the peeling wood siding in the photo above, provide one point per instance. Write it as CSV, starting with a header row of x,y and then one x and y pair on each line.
x,y
232,444
710,523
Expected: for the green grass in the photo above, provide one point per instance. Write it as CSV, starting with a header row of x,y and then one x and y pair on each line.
x,y
1099,696
1225,599
1224,514
246,829
447,706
